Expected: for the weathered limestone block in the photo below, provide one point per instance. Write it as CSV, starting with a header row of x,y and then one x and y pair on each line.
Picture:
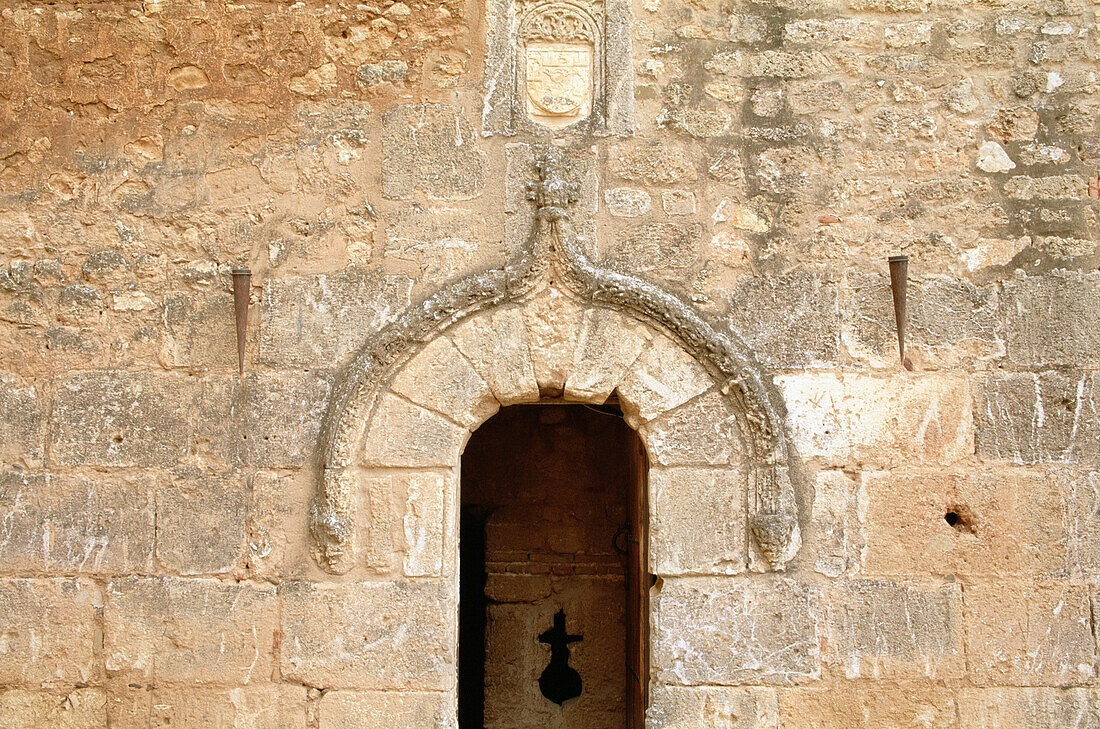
x,y
835,536
201,523
1051,320
407,515
624,202
437,243
680,707
384,635
121,419
883,629
1030,708
341,709
82,708
48,628
380,513
1049,417
655,164
269,420
430,149
441,379
698,522
320,321
1081,491
553,327
74,524
869,704
278,506
1006,523
1029,634
22,421
663,377
607,347
844,418
496,345
758,631
196,631
406,435
949,322
788,321
201,330
256,706
702,431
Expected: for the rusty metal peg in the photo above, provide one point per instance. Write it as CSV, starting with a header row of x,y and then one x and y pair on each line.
x,y
242,291
899,284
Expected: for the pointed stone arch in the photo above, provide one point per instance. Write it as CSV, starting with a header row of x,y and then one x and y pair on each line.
x,y
552,324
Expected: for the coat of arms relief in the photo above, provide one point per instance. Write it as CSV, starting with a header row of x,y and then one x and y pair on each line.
x,y
560,43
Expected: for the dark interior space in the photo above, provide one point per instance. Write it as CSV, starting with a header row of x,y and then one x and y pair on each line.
x,y
552,574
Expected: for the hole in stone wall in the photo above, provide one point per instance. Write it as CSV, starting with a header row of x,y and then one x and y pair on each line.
x,y
552,583
960,518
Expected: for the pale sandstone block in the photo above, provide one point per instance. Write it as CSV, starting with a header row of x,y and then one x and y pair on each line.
x,y
321,320
663,377
867,705
608,345
47,631
698,523
757,631
391,709
835,536
1045,417
844,418
198,631
201,523
266,420
121,419
553,328
441,379
406,435
1030,634
1081,491
682,707
1008,523
428,501
380,507
257,706
881,629
82,708
701,432
74,524
496,344
22,421
278,506
1051,319
429,149
382,635
1030,708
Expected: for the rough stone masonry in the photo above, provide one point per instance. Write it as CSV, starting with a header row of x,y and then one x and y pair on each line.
x,y
754,162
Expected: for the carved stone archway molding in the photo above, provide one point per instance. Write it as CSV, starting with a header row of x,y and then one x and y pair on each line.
x,y
552,253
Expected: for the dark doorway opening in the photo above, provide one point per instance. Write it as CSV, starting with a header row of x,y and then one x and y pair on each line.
x,y
553,596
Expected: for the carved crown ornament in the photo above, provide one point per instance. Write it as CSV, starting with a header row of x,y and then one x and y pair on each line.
x,y
552,249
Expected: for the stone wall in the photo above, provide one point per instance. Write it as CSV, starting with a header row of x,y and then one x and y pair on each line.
x,y
155,563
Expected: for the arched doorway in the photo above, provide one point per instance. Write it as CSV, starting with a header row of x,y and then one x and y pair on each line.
x,y
553,572
549,325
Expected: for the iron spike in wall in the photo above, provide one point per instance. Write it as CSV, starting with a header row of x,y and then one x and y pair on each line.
x,y
242,290
899,284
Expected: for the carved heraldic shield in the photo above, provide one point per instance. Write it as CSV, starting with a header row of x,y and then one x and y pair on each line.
x,y
559,44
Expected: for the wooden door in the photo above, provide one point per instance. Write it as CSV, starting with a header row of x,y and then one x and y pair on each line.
x,y
637,591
